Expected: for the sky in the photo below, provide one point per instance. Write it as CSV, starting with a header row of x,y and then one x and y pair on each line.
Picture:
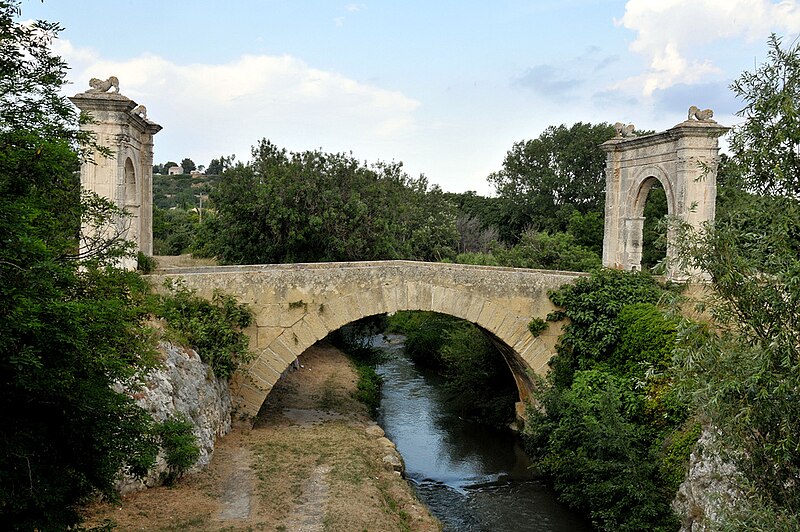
x,y
444,86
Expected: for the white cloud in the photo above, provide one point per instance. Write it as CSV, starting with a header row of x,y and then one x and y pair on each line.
x,y
671,33
209,110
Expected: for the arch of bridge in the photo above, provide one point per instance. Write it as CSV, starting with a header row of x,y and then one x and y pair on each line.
x,y
295,305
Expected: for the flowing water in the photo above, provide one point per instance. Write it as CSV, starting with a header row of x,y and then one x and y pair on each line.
x,y
472,477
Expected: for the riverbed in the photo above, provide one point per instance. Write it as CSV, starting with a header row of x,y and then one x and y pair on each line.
x,y
471,477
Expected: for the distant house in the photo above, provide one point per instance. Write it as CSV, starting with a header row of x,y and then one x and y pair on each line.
x,y
174,170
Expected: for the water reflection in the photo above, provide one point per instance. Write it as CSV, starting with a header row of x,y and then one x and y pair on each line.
x,y
472,477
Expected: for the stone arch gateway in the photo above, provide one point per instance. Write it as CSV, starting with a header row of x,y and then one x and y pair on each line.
x,y
125,178
295,305
683,159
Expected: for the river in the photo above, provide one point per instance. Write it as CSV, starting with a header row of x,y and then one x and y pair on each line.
x,y
472,477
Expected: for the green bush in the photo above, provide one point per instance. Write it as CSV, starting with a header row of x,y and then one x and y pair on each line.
x,y
478,380
145,263
612,433
174,230
538,250
596,453
477,377
368,388
212,328
477,258
537,326
674,452
355,340
179,445
592,305
646,341
425,337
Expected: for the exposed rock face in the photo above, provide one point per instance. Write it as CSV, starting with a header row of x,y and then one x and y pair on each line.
x,y
184,385
709,487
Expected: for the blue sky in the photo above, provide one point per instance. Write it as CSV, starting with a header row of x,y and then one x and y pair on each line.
x,y
446,87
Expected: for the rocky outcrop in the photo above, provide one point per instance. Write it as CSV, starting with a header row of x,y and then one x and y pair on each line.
x,y
183,384
708,488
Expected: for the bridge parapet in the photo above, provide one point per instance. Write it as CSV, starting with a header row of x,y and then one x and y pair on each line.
x,y
295,305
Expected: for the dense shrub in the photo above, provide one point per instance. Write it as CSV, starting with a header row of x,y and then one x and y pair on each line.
x,y
595,449
478,380
424,335
355,339
212,328
592,305
174,230
611,433
538,250
179,445
145,263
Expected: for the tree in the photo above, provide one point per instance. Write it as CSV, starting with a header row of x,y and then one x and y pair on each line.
x,y
188,165
314,206
217,166
544,180
743,369
70,325
167,165
473,237
486,210
766,143
609,432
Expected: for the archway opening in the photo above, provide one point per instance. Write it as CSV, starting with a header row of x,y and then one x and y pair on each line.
x,y
130,183
648,237
654,230
477,370
307,418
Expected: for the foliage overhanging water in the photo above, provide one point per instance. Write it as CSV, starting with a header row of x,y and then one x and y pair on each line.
x,y
472,477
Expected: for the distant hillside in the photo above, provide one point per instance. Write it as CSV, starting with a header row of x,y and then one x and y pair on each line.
x,y
181,190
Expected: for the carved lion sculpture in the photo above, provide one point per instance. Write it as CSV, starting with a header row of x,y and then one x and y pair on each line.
x,y
623,130
703,115
140,110
100,85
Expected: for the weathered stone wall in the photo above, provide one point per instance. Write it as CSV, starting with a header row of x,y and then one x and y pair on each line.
x,y
684,160
296,305
184,385
126,178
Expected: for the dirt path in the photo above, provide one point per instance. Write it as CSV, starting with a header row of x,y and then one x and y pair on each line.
x,y
314,461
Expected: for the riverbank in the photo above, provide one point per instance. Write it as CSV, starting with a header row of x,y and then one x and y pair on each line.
x,y
313,461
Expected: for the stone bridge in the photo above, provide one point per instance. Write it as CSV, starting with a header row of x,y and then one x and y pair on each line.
x,y
295,305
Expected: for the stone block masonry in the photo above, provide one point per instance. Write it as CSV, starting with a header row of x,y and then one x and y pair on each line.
x,y
296,305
